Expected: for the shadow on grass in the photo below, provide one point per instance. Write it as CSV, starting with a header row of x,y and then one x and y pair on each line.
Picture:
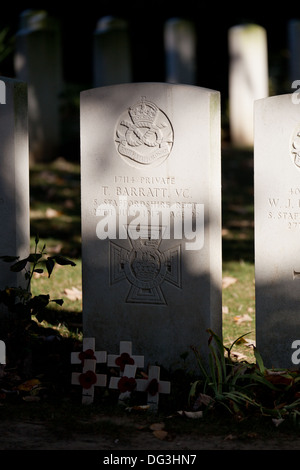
x,y
237,204
55,205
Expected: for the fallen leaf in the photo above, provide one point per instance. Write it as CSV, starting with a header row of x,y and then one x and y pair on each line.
x,y
277,422
275,372
160,434
238,356
202,399
157,426
246,341
28,385
191,414
228,281
230,437
138,408
51,213
73,293
242,318
31,398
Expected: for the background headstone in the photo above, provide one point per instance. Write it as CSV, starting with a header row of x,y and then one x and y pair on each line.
x,y
294,49
248,79
146,148
112,52
14,180
180,43
277,228
38,63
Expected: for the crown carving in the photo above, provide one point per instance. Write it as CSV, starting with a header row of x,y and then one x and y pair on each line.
x,y
143,112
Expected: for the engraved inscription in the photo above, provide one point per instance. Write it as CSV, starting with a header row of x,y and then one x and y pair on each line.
x,y
144,135
285,209
145,267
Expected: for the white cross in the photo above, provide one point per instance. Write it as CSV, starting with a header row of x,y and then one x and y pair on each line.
x,y
154,386
88,352
124,357
88,378
127,383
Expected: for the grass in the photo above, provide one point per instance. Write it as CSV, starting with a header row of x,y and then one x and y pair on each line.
x,y
239,307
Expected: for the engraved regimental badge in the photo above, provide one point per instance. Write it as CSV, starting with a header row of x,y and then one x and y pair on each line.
x,y
144,135
295,147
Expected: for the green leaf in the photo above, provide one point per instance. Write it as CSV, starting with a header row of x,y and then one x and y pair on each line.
x,y
34,257
259,361
62,260
58,301
39,302
19,265
49,265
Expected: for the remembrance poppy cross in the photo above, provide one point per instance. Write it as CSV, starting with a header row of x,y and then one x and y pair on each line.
x,y
88,379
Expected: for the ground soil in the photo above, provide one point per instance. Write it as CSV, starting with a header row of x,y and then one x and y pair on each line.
x,y
35,435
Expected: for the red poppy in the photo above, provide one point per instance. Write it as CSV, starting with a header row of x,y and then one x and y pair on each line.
x,y
124,359
153,387
126,384
87,379
88,354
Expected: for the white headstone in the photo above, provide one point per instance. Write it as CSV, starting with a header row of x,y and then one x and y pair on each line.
x,y
277,227
248,79
112,52
38,63
180,42
151,218
14,180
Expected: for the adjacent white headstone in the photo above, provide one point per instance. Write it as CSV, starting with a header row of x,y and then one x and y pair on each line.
x,y
180,42
14,180
38,63
277,227
248,79
112,52
151,218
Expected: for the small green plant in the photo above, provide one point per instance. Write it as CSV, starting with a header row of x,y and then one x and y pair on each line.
x,y
222,383
242,387
19,300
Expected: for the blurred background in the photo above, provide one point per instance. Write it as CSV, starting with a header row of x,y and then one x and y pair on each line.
x,y
145,24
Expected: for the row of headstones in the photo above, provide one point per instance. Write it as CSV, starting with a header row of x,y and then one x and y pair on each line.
x,y
151,216
38,63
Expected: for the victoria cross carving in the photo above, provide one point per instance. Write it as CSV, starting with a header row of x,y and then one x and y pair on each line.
x,y
145,267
